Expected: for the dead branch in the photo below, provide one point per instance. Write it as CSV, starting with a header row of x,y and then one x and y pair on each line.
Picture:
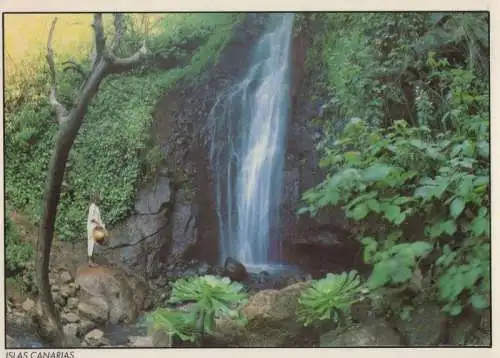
x,y
61,111
119,64
99,39
73,65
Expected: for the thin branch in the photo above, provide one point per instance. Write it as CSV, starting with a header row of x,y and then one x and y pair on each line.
x,y
119,64
99,38
73,65
61,112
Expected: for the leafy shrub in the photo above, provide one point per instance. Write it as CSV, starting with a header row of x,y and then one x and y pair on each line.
x,y
417,182
329,298
17,253
210,297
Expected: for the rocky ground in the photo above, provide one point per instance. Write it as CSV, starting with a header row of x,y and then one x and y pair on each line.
x,y
104,306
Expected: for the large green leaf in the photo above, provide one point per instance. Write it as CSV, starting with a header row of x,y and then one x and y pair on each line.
x,y
376,172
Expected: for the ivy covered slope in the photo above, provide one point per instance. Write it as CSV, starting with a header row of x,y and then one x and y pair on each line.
x,y
112,153
411,167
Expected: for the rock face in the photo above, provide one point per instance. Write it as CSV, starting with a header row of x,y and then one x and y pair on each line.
x,y
182,131
134,243
272,321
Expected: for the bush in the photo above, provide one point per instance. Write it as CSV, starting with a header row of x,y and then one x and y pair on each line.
x,y
416,183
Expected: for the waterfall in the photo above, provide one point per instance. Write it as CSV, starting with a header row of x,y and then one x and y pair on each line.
x,y
247,151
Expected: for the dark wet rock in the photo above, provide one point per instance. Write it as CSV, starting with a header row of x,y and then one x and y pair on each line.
x,y
204,269
184,229
263,277
235,270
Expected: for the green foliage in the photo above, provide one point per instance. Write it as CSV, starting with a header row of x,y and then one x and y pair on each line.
x,y
175,322
111,153
329,298
416,181
17,253
211,297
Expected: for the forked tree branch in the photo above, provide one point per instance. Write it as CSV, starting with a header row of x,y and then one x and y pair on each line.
x,y
61,111
119,64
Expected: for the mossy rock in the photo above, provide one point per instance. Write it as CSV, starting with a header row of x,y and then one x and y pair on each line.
x,y
372,333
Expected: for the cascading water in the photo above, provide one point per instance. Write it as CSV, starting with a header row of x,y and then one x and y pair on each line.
x,y
247,152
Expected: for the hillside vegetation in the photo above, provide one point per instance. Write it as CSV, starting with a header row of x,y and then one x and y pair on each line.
x,y
406,146
112,153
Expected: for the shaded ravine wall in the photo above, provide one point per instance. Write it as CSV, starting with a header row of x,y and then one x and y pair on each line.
x,y
185,223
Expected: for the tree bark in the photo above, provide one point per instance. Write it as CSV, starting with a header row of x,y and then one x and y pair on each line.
x,y
70,123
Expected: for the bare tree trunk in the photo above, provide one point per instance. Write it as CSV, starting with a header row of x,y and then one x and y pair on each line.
x,y
70,122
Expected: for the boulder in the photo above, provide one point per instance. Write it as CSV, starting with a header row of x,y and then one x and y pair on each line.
x,y
29,305
271,321
70,317
95,338
112,291
85,326
235,270
72,303
65,277
67,291
94,312
71,330
372,333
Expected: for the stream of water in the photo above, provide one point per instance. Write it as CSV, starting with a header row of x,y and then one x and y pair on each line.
x,y
250,122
